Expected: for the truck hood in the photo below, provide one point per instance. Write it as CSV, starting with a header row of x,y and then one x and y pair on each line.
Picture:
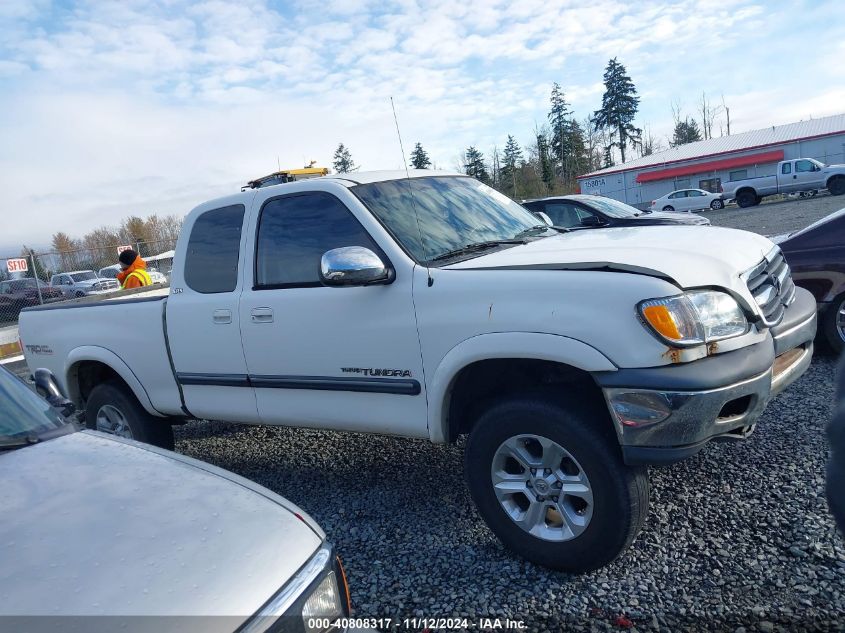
x,y
96,526
689,256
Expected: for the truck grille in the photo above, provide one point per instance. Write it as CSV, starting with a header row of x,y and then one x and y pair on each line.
x,y
109,284
770,282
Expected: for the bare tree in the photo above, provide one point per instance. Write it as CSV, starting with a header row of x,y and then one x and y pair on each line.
x,y
651,144
708,115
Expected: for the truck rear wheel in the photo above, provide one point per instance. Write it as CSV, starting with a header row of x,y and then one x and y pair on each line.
x,y
836,186
113,409
747,199
552,485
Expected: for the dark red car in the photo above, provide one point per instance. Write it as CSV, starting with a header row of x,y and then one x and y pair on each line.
x,y
17,294
816,256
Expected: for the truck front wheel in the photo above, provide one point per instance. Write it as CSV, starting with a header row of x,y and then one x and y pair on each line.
x,y
833,324
747,199
549,481
112,408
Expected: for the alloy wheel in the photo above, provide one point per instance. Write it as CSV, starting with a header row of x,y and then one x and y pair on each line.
x,y
111,420
542,487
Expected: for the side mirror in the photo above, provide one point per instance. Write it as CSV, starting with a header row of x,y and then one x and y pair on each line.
x,y
353,266
48,388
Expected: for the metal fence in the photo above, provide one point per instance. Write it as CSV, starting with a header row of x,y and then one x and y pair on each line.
x,y
32,278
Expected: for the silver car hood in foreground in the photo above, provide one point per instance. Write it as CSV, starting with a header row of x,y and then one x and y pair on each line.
x,y
95,526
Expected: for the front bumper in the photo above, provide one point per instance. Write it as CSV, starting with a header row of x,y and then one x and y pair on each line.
x,y
665,414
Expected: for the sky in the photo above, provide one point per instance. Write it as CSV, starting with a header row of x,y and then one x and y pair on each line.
x,y
116,107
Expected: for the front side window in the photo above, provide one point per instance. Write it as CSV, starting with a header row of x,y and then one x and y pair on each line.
x,y
211,263
565,214
444,213
293,234
786,168
802,166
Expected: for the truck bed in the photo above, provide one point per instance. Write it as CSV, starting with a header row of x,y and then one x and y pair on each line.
x,y
126,330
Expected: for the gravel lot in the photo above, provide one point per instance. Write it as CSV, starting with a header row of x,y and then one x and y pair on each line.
x,y
775,217
739,537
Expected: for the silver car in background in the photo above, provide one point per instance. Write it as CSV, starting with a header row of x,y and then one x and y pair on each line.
x,y
81,283
97,530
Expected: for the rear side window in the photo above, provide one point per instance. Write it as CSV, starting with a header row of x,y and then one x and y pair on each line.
x,y
295,231
786,168
211,263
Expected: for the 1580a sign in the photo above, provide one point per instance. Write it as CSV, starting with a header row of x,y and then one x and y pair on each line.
x,y
593,183
16,265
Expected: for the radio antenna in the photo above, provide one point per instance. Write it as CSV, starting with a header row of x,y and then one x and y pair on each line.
x,y
410,188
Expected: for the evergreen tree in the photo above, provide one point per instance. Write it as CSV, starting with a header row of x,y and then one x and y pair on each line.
x,y
608,157
513,161
547,173
559,114
343,163
686,131
474,165
419,158
618,108
578,161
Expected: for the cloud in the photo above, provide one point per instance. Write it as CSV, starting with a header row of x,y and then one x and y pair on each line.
x,y
115,106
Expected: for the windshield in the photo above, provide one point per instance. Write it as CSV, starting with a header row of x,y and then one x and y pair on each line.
x,y
22,412
83,276
612,208
109,273
451,212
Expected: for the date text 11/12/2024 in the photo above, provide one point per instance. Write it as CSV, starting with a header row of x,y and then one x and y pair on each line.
x,y
422,624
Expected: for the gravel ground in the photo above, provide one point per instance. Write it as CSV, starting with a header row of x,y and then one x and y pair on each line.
x,y
738,536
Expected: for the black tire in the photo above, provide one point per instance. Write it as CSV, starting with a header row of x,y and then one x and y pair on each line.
x,y
836,186
747,199
143,426
834,336
79,294
717,204
619,492
668,207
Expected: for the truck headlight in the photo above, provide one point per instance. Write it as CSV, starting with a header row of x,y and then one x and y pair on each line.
x,y
693,318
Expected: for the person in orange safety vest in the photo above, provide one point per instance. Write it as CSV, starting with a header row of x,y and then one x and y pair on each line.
x,y
133,271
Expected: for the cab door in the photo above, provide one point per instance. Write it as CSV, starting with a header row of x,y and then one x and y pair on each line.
x,y
346,358
807,175
203,317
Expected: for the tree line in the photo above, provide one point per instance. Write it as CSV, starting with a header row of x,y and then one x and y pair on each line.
x,y
98,248
566,146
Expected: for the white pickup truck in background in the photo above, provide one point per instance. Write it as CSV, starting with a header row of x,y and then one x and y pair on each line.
x,y
792,176
431,306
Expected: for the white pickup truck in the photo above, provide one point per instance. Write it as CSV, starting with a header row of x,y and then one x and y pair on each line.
x,y
792,176
428,305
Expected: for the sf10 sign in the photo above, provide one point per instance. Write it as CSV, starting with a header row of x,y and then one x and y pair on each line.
x,y
16,265
120,249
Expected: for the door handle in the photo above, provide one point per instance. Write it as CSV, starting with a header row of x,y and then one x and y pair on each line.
x,y
262,315
794,176
222,316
